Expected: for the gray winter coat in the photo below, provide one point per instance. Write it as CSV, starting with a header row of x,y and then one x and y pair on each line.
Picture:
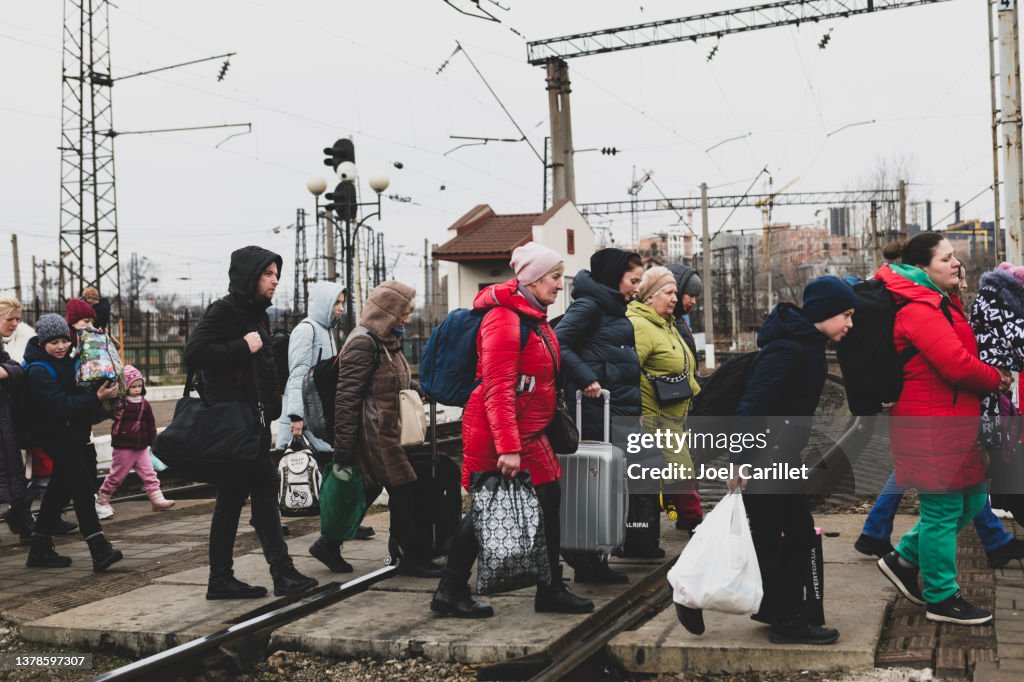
x,y
310,342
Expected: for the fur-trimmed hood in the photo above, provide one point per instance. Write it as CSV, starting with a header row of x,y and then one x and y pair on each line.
x,y
1000,287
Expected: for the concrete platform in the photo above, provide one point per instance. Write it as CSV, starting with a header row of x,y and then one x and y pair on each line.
x,y
856,595
393,620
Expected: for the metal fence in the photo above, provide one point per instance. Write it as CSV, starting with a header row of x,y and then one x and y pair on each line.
x,y
155,341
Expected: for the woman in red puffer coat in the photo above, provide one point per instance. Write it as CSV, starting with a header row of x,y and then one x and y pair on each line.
x,y
504,421
935,423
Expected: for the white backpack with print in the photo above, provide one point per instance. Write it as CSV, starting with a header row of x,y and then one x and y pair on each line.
x,y
299,481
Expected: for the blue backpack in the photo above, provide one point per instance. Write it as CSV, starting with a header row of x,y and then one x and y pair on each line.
x,y
25,430
447,371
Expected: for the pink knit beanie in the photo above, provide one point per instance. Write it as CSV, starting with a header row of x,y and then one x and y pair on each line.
x,y
532,260
1016,270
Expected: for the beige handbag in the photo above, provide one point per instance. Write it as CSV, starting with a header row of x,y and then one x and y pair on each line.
x,y
412,420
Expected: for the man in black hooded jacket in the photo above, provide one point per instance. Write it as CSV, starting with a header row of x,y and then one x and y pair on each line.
x,y
230,349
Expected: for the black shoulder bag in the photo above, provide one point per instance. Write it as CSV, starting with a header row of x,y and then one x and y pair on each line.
x,y
561,431
204,437
670,389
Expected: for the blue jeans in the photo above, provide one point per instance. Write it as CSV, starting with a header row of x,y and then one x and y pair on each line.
x,y
879,522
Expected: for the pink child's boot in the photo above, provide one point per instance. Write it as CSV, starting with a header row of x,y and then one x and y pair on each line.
x,y
159,502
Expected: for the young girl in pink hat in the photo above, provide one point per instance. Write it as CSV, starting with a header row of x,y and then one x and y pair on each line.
x,y
131,437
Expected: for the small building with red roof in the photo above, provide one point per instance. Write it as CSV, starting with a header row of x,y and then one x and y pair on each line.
x,y
482,243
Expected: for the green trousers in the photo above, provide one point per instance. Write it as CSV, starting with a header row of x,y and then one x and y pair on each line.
x,y
931,543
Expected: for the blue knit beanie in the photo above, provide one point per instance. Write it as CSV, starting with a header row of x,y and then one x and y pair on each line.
x,y
826,297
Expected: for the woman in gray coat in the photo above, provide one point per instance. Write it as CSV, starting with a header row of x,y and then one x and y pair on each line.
x,y
312,340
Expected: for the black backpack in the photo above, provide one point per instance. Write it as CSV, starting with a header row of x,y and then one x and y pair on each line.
x,y
279,347
320,386
721,393
872,369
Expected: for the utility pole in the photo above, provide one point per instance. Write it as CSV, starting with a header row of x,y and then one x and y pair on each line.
x,y
35,291
875,237
563,175
998,250
902,188
332,261
709,322
1009,77
17,268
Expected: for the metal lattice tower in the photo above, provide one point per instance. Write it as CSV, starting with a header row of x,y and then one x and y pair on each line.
x,y
88,197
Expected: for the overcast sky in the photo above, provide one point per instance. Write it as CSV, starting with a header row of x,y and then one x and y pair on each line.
x,y
308,72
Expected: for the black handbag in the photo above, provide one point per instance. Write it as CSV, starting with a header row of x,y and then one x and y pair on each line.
x,y
671,389
203,437
562,432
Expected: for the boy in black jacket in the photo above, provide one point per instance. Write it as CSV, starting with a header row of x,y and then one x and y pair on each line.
x,y
785,382
63,416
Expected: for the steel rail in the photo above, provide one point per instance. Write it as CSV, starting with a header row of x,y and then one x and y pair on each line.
x,y
273,619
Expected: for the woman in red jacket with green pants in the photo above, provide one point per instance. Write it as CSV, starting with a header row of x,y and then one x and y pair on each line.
x,y
934,423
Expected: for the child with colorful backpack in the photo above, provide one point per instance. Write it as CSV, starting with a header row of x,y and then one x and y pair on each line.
x,y
132,434
62,416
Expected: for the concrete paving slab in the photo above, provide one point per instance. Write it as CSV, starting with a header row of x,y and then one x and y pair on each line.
x,y
387,624
252,569
144,621
856,596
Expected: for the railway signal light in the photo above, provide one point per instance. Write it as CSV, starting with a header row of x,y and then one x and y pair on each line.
x,y
341,151
342,201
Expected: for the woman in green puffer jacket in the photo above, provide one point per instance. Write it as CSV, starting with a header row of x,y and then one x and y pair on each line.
x,y
663,355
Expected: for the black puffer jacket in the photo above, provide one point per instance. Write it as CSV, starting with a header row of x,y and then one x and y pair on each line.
x,y
217,349
12,471
597,345
786,381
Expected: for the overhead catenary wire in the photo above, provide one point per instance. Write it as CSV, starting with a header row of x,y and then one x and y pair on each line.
x,y
501,104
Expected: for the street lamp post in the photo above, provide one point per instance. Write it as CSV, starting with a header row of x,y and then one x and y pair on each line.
x,y
378,183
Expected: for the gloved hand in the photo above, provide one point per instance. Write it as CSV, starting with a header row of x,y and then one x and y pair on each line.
x,y
341,472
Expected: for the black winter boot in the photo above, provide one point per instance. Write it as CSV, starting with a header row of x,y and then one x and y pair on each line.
x,y
103,554
328,552
691,619
555,597
19,520
290,581
41,554
232,588
452,599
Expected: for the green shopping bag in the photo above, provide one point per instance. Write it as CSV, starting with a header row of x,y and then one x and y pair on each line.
x,y
342,503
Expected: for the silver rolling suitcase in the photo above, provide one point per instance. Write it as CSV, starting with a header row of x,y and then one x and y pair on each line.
x,y
594,492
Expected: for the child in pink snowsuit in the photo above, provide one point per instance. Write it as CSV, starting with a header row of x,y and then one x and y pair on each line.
x,y
130,438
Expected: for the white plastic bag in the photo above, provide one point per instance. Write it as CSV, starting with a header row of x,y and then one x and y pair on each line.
x,y
718,568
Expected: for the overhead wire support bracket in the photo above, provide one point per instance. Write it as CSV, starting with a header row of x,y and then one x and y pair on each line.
x,y
173,66
743,200
709,25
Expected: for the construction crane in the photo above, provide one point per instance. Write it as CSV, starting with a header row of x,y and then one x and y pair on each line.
x,y
634,190
766,203
552,53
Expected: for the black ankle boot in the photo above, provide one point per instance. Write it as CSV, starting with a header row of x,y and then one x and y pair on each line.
x,y
19,520
328,552
452,599
41,554
691,619
290,581
103,554
232,588
555,597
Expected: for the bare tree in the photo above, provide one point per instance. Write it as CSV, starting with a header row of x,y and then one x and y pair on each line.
x,y
139,277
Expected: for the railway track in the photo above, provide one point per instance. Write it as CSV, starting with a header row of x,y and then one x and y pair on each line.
x,y
579,653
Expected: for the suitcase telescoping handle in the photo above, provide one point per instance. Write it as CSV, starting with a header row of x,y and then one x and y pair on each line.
x,y
607,395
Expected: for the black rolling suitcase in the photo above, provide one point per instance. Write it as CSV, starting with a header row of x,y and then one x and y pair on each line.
x,y
438,497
